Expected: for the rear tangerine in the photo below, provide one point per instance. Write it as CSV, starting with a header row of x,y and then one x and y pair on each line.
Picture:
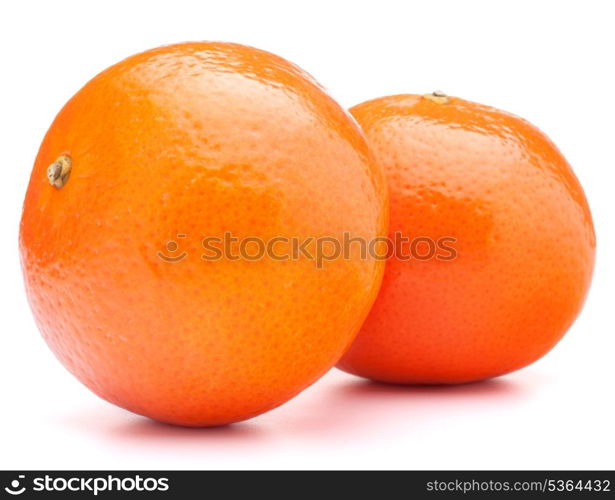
x,y
524,243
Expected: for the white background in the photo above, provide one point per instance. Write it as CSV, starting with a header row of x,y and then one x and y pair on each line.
x,y
550,62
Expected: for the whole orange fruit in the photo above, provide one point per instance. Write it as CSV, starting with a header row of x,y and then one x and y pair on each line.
x,y
149,159
506,243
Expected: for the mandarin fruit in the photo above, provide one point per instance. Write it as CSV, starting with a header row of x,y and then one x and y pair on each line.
x,y
519,243
150,158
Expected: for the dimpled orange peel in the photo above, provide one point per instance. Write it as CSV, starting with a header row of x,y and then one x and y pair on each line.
x,y
523,252
152,156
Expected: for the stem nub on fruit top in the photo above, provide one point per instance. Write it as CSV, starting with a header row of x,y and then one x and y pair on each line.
x,y
438,96
59,170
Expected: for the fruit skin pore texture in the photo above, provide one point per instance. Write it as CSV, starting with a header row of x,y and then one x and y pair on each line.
x,y
196,140
525,243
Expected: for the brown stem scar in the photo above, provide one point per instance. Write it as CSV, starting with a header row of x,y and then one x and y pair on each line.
x,y
59,171
438,97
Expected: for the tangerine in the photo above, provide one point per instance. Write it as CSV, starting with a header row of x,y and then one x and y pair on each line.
x,y
152,156
523,235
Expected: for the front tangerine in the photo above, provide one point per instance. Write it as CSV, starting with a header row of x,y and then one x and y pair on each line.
x,y
170,147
